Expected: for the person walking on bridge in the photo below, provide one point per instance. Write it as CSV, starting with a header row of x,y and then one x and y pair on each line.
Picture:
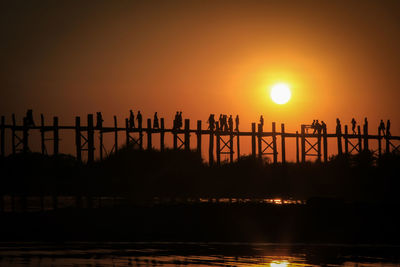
x,y
312,126
230,123
317,127
338,126
237,123
323,126
131,119
28,120
211,122
224,126
176,119
139,119
180,120
353,125
155,121
262,121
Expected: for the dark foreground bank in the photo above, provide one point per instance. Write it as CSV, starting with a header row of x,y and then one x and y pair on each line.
x,y
352,199
311,223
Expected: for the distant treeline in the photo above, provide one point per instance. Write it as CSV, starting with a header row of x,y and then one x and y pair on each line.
x,y
143,175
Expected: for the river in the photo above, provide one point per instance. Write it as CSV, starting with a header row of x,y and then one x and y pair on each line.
x,y
195,254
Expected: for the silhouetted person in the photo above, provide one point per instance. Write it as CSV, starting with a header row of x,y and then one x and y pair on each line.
x,y
312,126
323,126
139,119
338,126
381,128
230,122
155,122
353,125
388,128
180,120
224,125
131,119
29,118
211,122
365,125
237,123
221,121
262,121
99,120
317,127
176,119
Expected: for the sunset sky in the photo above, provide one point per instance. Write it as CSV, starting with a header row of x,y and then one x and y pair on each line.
x,y
68,58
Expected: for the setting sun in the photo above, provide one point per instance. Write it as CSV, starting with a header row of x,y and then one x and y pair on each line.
x,y
280,93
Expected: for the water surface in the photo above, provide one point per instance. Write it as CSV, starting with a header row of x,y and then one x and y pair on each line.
x,y
195,254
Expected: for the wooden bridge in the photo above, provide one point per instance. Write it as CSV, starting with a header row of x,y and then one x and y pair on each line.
x,y
225,140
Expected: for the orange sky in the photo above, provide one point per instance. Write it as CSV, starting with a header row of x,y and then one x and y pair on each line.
x,y
68,58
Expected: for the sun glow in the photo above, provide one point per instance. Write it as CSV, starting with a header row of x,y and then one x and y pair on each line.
x,y
280,93
279,263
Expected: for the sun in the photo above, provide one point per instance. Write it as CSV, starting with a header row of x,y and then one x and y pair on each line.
x,y
280,93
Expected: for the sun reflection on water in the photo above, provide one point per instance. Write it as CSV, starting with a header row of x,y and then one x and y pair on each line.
x,y
282,263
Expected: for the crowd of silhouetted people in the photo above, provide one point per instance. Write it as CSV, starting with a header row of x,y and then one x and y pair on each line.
x,y
317,127
224,123
382,129
178,121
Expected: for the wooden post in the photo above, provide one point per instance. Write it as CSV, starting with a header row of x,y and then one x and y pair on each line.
x,y
141,138
211,148
325,141
253,140
303,143
56,138
175,136
387,142
101,145
218,146
90,138
2,140
359,138
366,146
14,150
339,139
187,134
379,143
127,132
231,144
319,154
25,133
115,135
283,146
237,145
275,151
199,137
162,134
149,131
42,135
259,139
297,147
346,139
78,138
